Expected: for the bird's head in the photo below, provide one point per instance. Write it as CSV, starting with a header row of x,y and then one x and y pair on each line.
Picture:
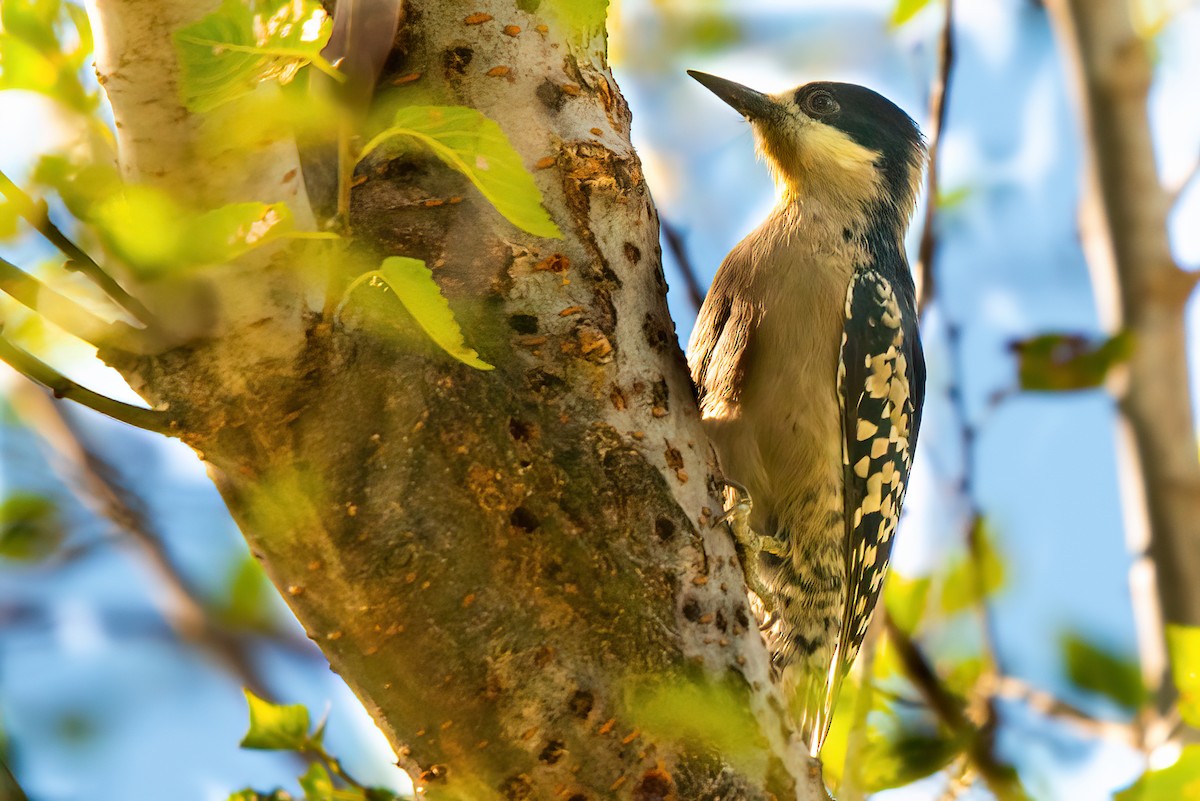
x,y
837,144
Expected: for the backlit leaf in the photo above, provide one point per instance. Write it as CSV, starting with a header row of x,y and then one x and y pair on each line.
x,y
1179,782
583,17
29,527
1066,362
275,727
905,10
474,145
1099,670
44,46
1184,645
413,284
906,599
152,233
228,53
317,784
972,578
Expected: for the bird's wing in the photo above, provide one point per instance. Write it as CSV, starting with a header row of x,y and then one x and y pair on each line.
x,y
719,349
881,386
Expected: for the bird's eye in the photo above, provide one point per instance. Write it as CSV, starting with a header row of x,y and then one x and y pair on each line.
x,y
820,103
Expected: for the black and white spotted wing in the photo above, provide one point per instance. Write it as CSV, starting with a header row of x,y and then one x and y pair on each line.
x,y
881,388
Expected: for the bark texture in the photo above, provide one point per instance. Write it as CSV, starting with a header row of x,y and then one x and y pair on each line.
x,y
494,562
1140,288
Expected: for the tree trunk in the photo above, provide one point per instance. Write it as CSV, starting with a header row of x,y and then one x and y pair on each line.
x,y
1140,288
496,562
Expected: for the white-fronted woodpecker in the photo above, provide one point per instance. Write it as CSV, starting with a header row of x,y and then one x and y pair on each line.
x,y
810,375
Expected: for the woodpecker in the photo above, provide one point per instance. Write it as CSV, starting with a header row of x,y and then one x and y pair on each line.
x,y
810,376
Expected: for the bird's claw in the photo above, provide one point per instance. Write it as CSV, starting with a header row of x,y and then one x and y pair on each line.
x,y
750,544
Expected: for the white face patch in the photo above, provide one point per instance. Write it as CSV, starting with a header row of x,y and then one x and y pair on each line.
x,y
808,158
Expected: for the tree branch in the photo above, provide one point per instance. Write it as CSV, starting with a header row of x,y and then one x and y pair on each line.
x,y
38,215
98,483
1139,288
1050,706
937,120
41,373
1000,778
67,314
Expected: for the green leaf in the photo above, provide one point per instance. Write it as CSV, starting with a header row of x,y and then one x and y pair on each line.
x,y
247,596
29,527
275,727
1094,668
1179,782
32,52
317,784
1184,645
972,578
9,219
705,714
905,10
906,599
152,233
894,759
952,199
475,146
413,284
230,52
583,17
222,235
1068,362
82,187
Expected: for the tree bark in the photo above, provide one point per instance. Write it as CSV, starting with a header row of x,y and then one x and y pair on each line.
x,y
1140,288
494,561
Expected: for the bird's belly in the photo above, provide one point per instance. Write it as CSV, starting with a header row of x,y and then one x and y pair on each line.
x,y
784,445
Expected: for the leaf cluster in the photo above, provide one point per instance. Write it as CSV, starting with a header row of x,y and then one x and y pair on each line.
x,y
288,727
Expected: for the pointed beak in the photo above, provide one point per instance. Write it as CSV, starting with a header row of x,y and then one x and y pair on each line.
x,y
750,104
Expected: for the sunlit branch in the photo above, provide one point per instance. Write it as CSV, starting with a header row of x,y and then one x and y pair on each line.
x,y
1050,706
66,313
41,373
937,120
37,215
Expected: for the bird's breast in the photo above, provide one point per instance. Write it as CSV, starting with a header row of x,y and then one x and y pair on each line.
x,y
785,442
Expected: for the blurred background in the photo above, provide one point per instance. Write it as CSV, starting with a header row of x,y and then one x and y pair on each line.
x,y
123,649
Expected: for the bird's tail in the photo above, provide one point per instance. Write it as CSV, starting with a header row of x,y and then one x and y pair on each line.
x,y
814,694
804,638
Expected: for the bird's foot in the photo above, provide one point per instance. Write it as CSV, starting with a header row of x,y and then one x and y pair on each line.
x,y
750,544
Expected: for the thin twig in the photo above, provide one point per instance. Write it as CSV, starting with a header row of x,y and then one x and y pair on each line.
x,y
937,114
39,372
674,238
98,481
67,314
38,215
951,710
